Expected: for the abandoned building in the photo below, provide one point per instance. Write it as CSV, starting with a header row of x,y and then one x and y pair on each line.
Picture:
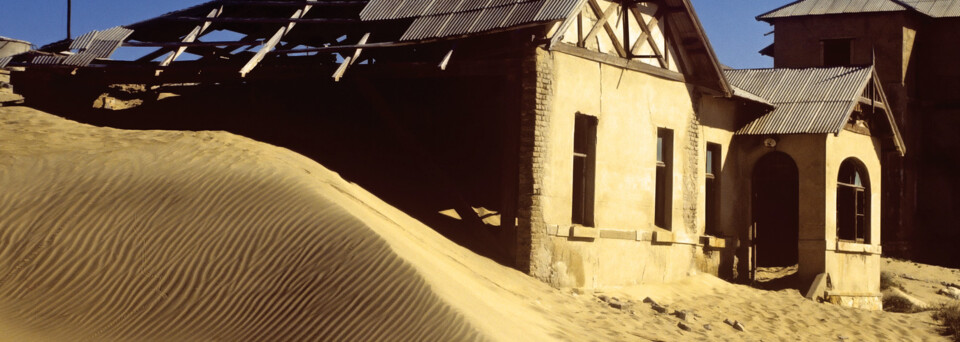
x,y
915,48
589,143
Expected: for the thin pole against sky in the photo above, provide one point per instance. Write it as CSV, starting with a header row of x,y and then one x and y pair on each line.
x,y
69,14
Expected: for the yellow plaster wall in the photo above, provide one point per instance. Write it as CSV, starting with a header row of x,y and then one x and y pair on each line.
x,y
629,106
854,268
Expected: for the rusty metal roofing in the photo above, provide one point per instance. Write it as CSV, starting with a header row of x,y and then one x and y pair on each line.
x,y
448,18
932,8
809,100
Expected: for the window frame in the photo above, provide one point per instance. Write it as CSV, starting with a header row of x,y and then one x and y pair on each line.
x,y
712,188
856,228
663,193
583,189
824,43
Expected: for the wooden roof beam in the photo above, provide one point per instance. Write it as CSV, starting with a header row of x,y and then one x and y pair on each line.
x,y
647,35
192,36
299,20
171,45
299,14
604,19
350,59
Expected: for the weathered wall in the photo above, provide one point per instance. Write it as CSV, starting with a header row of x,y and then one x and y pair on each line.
x,y
894,39
855,268
624,247
808,152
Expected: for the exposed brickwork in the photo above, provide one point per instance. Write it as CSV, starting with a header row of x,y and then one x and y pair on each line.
x,y
533,254
691,168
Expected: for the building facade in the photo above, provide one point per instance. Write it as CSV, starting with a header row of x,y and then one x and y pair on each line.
x,y
604,136
913,46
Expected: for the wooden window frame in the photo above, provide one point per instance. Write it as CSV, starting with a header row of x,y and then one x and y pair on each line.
x,y
663,207
712,188
584,170
855,228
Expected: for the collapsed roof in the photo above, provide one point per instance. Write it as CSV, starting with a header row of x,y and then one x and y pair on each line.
x,y
340,29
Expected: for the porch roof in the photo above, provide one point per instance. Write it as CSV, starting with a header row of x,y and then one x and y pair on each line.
x,y
809,100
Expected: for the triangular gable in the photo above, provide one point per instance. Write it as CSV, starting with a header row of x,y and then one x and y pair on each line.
x,y
664,35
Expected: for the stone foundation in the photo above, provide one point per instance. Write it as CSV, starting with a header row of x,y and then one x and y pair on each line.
x,y
859,301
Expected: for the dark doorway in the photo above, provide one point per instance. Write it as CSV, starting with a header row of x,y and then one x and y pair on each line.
x,y
776,217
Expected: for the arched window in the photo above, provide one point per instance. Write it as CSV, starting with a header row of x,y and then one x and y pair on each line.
x,y
853,202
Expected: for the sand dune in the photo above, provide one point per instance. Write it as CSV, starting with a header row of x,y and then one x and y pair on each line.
x,y
114,235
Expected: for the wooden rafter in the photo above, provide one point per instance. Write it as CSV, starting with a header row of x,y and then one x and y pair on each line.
x,y
558,35
299,14
446,60
349,60
192,36
647,35
603,21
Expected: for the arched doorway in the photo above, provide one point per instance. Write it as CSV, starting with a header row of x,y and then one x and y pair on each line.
x,y
776,211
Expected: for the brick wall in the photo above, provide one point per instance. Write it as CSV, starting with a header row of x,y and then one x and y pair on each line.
x,y
533,251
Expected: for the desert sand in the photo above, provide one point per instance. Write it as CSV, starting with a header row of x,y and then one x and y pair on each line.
x,y
118,235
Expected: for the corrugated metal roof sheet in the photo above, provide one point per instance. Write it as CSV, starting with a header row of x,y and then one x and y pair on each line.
x,y
810,100
47,59
5,60
80,59
101,44
447,18
933,8
936,8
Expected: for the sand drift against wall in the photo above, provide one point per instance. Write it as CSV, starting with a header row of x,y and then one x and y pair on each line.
x,y
148,235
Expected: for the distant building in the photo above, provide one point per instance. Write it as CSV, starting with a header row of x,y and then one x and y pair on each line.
x,y
10,47
915,47
605,135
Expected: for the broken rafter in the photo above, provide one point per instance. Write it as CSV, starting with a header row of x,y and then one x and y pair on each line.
x,y
192,36
334,48
192,44
299,14
350,59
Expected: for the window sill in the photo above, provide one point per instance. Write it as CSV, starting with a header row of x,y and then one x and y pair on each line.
x,y
846,246
655,235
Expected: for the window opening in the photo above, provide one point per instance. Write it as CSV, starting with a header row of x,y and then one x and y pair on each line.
x,y
853,202
836,52
664,193
584,169
712,188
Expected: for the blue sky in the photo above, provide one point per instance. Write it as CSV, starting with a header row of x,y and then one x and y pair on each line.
x,y
730,24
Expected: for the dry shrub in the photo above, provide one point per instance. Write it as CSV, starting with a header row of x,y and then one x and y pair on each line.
x,y
949,314
889,280
898,304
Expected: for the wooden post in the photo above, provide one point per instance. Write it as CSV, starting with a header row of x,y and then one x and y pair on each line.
x,y
69,18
